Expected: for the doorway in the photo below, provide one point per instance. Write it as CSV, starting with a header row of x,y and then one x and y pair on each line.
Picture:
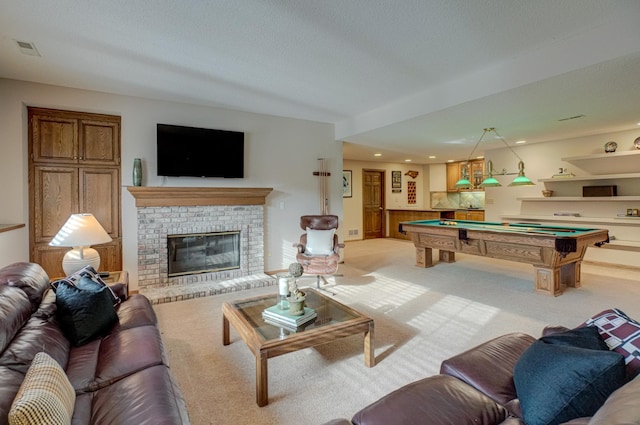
x,y
373,211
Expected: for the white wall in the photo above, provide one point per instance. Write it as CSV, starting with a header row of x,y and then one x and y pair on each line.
x,y
353,205
542,161
281,153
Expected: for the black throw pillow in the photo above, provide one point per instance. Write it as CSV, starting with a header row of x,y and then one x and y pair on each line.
x,y
587,337
84,314
558,382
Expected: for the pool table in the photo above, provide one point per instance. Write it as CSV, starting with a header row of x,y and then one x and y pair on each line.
x,y
555,252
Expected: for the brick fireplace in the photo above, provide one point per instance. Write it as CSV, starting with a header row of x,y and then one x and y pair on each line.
x,y
163,211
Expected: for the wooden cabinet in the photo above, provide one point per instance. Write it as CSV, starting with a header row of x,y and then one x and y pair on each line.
x,y
74,166
398,216
455,171
473,215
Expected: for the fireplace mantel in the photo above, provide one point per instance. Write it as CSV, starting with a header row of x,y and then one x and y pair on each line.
x,y
161,196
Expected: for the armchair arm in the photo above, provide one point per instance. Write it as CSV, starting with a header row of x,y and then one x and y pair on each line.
x,y
336,247
300,247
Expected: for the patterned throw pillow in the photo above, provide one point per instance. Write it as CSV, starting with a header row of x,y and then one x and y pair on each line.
x,y
86,272
45,396
622,335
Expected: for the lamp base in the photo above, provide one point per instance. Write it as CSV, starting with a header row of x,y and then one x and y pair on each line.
x,y
79,257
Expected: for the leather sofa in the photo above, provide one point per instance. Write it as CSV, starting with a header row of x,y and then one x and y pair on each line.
x,y
121,377
477,387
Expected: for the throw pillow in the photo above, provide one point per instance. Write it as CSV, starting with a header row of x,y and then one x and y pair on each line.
x,y
556,383
621,334
319,242
89,273
84,314
587,337
45,396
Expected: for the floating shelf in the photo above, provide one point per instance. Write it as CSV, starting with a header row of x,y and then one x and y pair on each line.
x,y
596,177
583,199
580,219
607,163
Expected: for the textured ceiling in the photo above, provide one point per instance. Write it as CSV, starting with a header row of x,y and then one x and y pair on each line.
x,y
409,78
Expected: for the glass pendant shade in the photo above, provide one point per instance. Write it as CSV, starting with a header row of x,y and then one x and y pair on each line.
x,y
490,181
521,180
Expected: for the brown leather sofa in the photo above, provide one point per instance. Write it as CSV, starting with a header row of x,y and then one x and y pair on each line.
x,y
477,387
120,378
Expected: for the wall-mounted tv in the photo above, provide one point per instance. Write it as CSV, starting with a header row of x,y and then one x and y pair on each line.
x,y
199,152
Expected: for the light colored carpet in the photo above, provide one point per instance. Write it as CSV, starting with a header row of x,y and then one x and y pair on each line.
x,y
422,316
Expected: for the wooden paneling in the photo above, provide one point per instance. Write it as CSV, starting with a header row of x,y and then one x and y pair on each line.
x,y
398,216
100,142
74,167
197,196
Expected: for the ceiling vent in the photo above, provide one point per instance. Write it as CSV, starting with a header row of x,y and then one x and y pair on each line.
x,y
571,118
27,48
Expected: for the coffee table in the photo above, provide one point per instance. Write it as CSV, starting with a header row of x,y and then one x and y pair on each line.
x,y
335,320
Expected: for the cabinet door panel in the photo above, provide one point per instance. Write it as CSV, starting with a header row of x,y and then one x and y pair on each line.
x,y
99,142
100,195
55,199
54,139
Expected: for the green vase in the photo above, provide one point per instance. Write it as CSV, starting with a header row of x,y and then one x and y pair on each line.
x,y
137,172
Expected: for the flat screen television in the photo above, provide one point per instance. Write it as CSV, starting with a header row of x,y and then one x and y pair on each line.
x,y
199,152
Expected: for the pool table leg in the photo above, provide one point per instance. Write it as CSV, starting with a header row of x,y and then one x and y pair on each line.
x,y
548,281
423,257
552,281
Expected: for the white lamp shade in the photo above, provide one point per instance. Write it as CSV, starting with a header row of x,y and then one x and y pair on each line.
x,y
81,230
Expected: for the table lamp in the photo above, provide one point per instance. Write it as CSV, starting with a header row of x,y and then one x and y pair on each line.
x,y
80,231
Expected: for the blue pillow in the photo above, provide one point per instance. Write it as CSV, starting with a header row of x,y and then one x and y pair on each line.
x,y
84,315
587,337
556,383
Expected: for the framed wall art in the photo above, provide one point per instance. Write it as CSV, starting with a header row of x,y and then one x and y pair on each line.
x,y
346,184
396,179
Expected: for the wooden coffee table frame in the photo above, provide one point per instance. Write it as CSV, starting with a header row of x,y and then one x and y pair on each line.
x,y
263,349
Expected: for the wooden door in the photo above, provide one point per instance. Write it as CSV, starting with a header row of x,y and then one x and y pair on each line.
x,y
373,204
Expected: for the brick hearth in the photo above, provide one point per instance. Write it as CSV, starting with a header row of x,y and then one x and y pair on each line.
x,y
162,211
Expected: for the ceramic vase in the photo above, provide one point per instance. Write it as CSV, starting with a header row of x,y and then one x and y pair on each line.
x,y
137,172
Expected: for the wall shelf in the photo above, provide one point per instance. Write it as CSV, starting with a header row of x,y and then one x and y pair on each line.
x,y
607,163
582,199
9,227
596,177
633,221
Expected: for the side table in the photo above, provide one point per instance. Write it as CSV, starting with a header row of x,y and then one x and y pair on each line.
x,y
120,276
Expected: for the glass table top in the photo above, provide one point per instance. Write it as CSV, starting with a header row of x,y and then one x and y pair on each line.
x,y
329,312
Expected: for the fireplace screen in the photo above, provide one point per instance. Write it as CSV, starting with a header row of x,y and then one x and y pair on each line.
x,y
203,252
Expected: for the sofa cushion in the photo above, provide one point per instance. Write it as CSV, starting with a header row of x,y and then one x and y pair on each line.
x,y
84,314
319,242
149,397
622,407
45,396
102,362
501,353
621,334
28,277
443,399
556,383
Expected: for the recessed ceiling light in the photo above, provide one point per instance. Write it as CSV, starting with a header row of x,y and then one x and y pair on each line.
x,y
27,48
480,157
432,157
520,142
407,160
450,160
377,154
